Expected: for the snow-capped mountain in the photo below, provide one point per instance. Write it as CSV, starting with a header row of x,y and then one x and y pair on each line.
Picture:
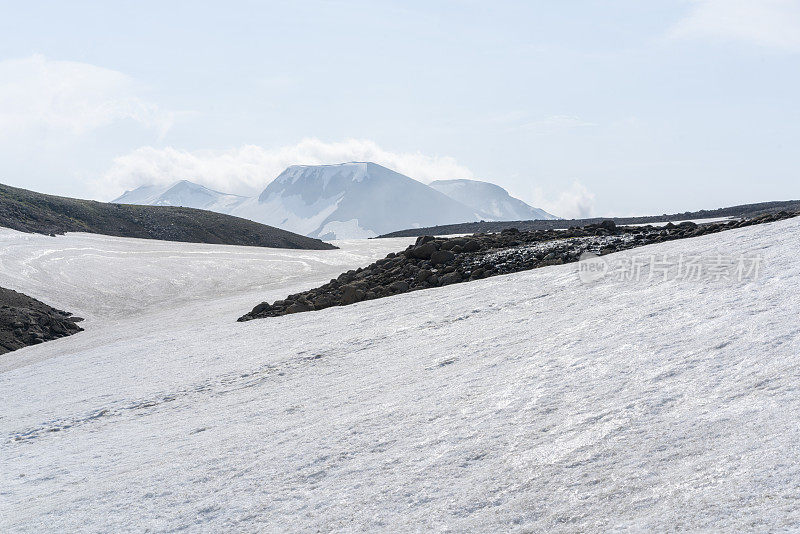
x,y
491,200
182,193
355,200
348,200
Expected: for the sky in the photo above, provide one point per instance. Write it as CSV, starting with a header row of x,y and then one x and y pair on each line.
x,y
615,107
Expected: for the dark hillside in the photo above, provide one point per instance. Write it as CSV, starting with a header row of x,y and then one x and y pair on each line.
x,y
28,211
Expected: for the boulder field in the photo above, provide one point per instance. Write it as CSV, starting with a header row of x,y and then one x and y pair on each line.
x,y
26,321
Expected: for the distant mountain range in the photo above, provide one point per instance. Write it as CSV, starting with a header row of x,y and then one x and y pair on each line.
x,y
348,200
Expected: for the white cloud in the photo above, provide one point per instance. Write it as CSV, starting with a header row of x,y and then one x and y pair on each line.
x,y
768,23
577,202
40,95
247,170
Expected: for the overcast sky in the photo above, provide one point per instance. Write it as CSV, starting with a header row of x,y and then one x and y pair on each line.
x,y
612,107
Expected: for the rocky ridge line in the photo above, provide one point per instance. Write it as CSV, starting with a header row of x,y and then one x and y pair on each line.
x,y
434,262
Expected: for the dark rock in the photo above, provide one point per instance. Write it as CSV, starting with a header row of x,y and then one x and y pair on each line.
x,y
398,286
424,274
442,256
299,306
472,245
451,278
325,300
261,308
424,251
351,295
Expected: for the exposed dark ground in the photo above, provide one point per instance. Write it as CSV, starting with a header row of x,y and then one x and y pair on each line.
x,y
26,321
434,262
28,211
742,211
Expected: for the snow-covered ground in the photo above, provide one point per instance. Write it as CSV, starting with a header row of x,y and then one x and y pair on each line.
x,y
141,285
521,402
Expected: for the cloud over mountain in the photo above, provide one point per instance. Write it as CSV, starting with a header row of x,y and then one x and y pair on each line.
x,y
247,169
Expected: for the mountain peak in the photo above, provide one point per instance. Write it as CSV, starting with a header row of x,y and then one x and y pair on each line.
x,y
355,171
356,199
180,193
348,200
491,200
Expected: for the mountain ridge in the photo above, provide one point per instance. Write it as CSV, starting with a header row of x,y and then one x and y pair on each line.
x,y
493,201
338,201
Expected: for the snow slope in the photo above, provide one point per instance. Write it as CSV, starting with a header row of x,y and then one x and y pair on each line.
x,y
516,403
490,200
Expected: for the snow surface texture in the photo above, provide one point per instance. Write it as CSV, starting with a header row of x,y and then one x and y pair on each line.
x,y
347,201
489,199
516,403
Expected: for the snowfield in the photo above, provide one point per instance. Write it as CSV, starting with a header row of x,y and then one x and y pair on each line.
x,y
521,402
